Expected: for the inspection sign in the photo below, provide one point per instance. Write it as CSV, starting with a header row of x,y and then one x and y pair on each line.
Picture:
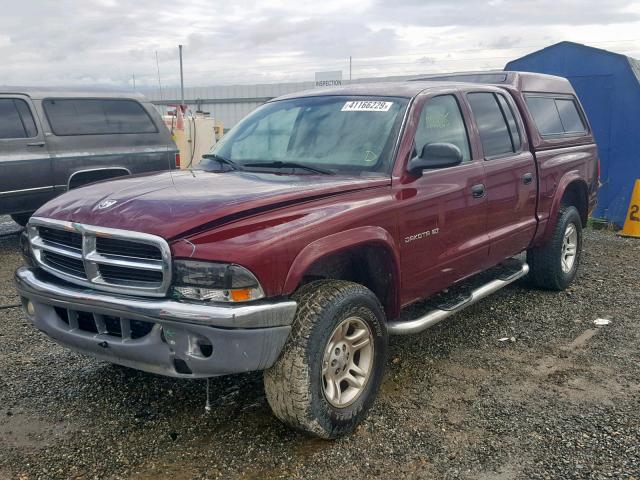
x,y
329,79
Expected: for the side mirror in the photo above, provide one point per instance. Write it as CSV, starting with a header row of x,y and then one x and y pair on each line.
x,y
436,155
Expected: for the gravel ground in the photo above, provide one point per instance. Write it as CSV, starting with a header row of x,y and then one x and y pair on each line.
x,y
559,399
8,226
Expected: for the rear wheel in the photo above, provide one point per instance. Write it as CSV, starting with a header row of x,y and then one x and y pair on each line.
x,y
21,218
331,367
555,264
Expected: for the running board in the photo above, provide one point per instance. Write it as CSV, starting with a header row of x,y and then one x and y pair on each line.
x,y
407,327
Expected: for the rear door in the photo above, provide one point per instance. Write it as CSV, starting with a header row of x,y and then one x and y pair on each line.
x,y
25,165
442,218
95,136
510,170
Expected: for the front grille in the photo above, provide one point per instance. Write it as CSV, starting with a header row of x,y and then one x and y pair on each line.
x,y
123,328
118,261
113,246
68,265
61,238
115,274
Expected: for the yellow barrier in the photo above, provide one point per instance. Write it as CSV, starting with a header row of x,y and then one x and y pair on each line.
x,y
632,222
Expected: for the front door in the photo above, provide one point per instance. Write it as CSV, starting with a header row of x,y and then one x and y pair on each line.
x,y
442,214
25,166
511,183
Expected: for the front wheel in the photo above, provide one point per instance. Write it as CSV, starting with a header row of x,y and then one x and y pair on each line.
x,y
331,367
554,265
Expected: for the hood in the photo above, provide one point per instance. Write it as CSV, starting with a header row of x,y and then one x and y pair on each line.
x,y
172,204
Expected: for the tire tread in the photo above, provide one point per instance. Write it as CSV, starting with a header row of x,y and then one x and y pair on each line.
x,y
287,381
543,261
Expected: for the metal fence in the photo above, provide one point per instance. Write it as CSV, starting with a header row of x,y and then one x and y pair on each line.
x,y
230,103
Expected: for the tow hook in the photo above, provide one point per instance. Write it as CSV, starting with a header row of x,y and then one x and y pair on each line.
x,y
103,344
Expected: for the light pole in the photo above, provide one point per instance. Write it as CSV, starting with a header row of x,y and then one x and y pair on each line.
x,y
181,79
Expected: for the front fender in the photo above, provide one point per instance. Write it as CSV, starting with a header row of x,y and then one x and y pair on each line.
x,y
336,242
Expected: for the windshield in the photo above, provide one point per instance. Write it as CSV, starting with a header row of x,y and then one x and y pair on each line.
x,y
338,134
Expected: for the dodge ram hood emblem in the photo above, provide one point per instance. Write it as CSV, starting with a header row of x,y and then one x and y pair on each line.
x,y
106,204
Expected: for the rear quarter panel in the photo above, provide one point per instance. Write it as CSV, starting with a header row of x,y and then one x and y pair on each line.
x,y
136,153
557,169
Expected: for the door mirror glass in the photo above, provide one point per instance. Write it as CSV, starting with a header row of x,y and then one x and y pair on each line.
x,y
436,155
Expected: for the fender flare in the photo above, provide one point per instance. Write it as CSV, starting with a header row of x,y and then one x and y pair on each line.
x,y
368,235
567,179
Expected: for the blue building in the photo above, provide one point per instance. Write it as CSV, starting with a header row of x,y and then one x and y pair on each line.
x,y
608,85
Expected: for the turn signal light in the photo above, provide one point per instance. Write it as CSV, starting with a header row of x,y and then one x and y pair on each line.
x,y
240,295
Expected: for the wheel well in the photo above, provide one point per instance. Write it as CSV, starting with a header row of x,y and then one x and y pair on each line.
x,y
368,265
576,195
79,179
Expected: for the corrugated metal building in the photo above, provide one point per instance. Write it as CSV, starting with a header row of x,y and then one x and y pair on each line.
x,y
608,85
230,103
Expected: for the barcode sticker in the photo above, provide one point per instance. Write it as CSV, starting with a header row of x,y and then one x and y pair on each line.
x,y
367,106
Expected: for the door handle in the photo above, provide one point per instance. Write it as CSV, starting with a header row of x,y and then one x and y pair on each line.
x,y
527,178
35,144
478,190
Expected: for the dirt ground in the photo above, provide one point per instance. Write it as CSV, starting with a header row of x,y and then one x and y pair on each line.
x,y
559,398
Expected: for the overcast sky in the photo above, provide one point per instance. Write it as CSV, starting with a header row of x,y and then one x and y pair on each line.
x,y
106,42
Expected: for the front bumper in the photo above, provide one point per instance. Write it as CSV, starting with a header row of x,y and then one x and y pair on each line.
x,y
170,337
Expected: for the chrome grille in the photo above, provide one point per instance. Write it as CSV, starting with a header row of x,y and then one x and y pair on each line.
x,y
61,238
114,246
69,265
113,260
116,273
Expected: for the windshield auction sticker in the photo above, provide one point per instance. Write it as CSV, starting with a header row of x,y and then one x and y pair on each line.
x,y
367,106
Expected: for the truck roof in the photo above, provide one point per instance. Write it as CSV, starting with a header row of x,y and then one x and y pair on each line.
x,y
522,81
40,93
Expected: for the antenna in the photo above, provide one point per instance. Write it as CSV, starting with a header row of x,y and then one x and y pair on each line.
x,y
159,81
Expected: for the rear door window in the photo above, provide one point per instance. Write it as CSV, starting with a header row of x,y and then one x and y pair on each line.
x,y
16,120
97,117
511,121
555,116
494,131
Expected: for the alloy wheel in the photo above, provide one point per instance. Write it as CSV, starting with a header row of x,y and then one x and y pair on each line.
x,y
347,362
569,248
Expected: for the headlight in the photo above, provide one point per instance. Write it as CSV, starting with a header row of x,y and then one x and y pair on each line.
x,y
214,282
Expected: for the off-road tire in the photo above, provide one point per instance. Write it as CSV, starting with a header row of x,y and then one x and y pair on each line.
x,y
21,218
294,384
545,261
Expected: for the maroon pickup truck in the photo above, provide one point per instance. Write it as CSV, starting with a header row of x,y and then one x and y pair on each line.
x,y
299,239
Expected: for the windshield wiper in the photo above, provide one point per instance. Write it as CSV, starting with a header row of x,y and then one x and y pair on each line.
x,y
222,160
281,164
